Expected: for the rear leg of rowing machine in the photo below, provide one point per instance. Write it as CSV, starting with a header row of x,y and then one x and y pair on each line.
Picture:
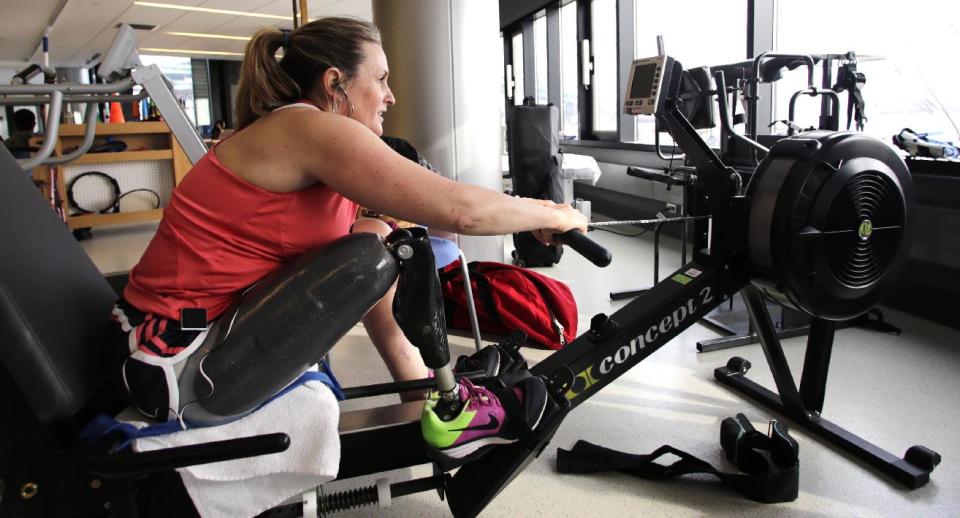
x,y
804,404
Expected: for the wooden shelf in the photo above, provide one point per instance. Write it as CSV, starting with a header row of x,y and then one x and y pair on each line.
x,y
155,144
95,220
127,128
125,156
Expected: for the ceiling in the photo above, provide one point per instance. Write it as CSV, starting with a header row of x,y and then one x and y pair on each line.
x,y
84,28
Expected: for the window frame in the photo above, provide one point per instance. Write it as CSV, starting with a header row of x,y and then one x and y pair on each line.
x,y
759,37
585,95
556,39
541,15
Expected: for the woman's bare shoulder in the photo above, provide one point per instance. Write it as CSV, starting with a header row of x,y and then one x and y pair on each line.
x,y
271,152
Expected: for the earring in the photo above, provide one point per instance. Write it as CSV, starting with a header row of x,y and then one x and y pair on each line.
x,y
347,97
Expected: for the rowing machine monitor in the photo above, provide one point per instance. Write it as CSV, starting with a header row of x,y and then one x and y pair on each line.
x,y
649,78
654,81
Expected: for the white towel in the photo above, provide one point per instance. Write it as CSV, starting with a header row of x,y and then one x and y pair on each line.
x,y
309,414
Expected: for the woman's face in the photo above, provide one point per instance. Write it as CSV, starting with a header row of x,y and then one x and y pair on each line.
x,y
368,90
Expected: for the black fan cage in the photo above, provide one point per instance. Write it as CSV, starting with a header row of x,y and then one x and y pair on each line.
x,y
864,229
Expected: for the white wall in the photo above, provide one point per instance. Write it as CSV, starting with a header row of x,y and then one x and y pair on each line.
x,y
445,72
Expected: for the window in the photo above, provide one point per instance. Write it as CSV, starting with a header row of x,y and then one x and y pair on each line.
x,y
696,33
569,109
180,73
503,114
201,92
682,23
603,30
517,46
904,53
540,49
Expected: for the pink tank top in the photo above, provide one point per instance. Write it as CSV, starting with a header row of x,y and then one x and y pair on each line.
x,y
220,234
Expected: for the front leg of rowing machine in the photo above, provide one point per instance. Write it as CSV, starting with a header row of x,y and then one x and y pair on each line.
x,y
418,309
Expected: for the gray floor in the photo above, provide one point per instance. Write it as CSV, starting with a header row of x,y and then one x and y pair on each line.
x,y
894,391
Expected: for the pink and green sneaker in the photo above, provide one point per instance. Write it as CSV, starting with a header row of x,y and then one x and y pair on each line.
x,y
481,422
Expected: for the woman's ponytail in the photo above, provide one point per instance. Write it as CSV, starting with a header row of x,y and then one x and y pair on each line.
x,y
264,86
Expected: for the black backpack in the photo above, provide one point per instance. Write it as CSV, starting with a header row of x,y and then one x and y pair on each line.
x,y
533,140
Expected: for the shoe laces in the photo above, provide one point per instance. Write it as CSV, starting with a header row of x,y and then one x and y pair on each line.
x,y
476,395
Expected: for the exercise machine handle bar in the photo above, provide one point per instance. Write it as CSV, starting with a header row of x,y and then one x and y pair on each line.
x,y
726,121
754,83
68,88
72,98
586,247
814,92
53,129
766,56
54,96
154,85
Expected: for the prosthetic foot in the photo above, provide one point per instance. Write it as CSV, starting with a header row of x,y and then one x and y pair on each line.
x,y
486,417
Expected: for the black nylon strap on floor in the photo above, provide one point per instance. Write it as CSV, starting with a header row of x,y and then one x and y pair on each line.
x,y
775,486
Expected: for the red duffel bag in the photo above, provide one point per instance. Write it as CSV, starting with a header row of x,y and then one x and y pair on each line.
x,y
508,298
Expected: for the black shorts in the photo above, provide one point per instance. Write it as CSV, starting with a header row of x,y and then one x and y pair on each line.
x,y
152,359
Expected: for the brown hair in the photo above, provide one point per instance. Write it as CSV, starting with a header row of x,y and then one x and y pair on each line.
x,y
266,84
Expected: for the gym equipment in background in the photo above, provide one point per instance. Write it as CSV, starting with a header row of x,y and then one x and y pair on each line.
x,y
742,151
122,66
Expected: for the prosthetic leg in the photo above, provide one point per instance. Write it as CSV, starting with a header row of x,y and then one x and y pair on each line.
x,y
285,324
418,308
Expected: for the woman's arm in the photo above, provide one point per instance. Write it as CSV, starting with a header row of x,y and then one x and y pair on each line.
x,y
350,159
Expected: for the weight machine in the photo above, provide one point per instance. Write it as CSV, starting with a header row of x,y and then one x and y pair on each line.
x,y
122,66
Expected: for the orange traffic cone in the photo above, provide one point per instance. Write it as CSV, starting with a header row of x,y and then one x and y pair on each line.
x,y
116,113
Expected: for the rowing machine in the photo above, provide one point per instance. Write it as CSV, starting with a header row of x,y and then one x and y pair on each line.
x,y
822,227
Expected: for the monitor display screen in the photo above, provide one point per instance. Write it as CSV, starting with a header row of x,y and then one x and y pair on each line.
x,y
642,85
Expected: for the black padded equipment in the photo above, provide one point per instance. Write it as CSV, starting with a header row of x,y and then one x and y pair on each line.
x,y
533,139
54,304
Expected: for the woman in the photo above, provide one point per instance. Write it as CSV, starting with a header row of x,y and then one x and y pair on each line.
x,y
217,129
306,153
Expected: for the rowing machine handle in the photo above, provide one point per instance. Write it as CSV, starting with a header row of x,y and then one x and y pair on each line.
x,y
586,247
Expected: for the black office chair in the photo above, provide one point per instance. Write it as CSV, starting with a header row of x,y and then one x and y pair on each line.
x,y
54,308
